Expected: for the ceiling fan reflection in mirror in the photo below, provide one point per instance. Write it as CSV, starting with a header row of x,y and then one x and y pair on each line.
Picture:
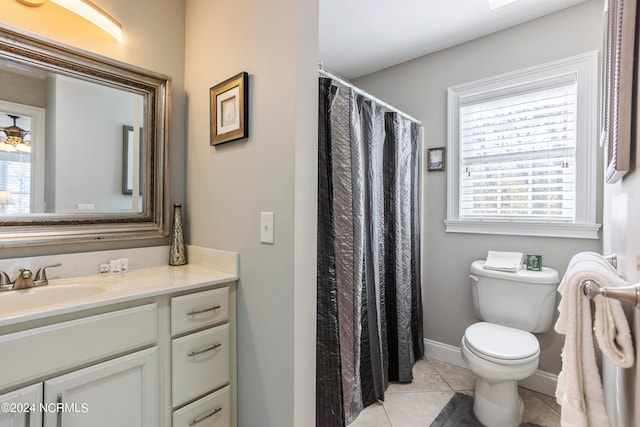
x,y
14,139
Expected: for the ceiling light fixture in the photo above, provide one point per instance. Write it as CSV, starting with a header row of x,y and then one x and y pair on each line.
x,y
88,11
495,4
15,134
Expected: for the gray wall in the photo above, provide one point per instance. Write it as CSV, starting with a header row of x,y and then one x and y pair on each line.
x,y
88,145
419,88
22,89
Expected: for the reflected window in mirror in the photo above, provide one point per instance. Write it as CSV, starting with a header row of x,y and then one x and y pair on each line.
x,y
17,159
15,166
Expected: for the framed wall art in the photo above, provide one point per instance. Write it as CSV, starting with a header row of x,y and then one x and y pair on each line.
x,y
229,106
435,159
128,168
618,95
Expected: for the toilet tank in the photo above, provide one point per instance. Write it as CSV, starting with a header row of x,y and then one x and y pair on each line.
x,y
524,299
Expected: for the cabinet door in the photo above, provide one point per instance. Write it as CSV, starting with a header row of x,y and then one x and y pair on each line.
x,y
120,392
21,408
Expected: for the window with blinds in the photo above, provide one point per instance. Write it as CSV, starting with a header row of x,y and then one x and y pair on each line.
x,y
518,156
522,151
15,176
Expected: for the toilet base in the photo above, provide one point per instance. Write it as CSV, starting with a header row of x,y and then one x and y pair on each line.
x,y
497,403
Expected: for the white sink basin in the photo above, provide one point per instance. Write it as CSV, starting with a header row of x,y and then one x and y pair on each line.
x,y
31,298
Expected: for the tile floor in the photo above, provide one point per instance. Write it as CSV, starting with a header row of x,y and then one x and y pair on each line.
x,y
418,403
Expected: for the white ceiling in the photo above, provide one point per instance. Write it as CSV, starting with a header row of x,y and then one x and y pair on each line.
x,y
359,37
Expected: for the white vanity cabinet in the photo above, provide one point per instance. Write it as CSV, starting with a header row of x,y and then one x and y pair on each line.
x,y
120,392
157,350
20,408
103,394
201,351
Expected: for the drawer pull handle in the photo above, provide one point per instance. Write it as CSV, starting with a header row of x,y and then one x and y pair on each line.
x,y
196,353
209,415
193,313
59,417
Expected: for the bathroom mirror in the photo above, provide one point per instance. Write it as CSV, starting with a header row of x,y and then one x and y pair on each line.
x,y
69,170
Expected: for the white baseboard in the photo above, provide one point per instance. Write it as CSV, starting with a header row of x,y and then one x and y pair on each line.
x,y
541,381
444,352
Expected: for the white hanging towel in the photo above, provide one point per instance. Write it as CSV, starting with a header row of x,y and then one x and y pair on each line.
x,y
504,261
579,390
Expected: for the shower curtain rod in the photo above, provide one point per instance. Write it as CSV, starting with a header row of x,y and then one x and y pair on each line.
x,y
366,95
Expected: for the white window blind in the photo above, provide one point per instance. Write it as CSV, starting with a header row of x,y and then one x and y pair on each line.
x,y
15,176
522,151
518,156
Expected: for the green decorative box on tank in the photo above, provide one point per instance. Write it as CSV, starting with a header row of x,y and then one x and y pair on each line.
x,y
534,262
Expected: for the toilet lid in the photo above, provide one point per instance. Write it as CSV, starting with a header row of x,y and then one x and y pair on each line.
x,y
500,341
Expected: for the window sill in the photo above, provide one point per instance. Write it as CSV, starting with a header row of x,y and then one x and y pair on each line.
x,y
537,229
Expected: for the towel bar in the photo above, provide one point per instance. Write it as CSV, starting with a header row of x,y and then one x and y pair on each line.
x,y
612,259
629,294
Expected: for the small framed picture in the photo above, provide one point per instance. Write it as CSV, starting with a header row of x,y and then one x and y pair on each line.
x,y
229,105
435,159
127,160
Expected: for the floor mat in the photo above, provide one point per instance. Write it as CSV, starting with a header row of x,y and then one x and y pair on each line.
x,y
459,413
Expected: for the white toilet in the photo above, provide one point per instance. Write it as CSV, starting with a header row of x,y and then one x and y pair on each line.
x,y
502,349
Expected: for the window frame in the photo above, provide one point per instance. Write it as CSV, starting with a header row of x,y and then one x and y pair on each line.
x,y
585,69
37,115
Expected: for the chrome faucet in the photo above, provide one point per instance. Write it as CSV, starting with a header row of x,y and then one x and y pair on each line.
x,y
41,274
26,279
5,282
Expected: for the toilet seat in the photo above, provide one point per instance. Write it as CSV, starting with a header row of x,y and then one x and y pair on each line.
x,y
501,344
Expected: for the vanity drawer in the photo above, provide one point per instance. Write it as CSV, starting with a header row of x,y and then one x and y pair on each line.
x,y
39,352
213,410
193,311
200,363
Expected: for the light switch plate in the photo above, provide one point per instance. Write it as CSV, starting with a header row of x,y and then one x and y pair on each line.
x,y
266,227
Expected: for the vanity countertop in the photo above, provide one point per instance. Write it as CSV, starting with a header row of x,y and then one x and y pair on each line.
x,y
106,290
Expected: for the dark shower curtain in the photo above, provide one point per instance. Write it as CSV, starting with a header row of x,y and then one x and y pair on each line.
x,y
369,321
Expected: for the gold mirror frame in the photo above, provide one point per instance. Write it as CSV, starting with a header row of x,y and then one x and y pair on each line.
x,y
43,229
